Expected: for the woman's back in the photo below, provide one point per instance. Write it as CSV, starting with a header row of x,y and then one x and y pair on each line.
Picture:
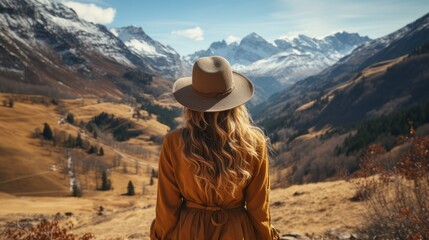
x,y
213,174
186,212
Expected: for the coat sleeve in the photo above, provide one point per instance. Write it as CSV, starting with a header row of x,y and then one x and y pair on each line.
x,y
257,200
169,199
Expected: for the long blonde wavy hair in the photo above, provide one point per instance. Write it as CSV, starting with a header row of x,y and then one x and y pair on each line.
x,y
220,146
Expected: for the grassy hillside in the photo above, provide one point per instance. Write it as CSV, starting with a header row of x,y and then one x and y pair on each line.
x,y
26,161
312,209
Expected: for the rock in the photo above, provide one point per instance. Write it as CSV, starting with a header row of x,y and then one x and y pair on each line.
x,y
68,214
359,236
136,236
294,236
298,193
344,236
277,203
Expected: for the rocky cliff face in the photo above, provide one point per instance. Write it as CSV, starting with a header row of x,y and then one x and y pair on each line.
x,y
46,47
164,59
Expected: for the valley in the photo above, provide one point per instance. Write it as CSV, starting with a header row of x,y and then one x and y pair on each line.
x,y
84,110
32,190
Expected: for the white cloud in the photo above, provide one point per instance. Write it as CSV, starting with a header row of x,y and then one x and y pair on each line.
x,y
367,17
92,13
230,39
195,33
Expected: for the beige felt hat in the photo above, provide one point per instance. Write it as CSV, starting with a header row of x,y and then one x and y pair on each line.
x,y
213,86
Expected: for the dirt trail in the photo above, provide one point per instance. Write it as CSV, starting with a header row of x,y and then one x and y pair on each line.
x,y
24,177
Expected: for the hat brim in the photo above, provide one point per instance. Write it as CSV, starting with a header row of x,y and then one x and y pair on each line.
x,y
242,92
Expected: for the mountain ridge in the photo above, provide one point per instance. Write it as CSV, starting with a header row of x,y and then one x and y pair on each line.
x,y
381,70
48,49
164,59
403,40
283,62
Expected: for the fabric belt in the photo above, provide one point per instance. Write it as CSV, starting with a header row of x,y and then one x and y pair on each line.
x,y
215,220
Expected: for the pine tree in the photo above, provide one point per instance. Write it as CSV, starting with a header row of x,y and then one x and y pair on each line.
x,y
47,132
105,182
70,118
71,142
130,189
91,150
77,191
79,142
101,151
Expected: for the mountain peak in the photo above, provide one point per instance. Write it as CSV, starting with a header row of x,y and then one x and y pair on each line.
x,y
253,35
163,58
255,40
129,32
218,45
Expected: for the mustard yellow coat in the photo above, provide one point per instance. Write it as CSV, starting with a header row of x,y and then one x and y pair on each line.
x,y
185,212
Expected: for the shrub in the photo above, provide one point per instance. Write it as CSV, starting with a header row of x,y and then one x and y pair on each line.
x,y
44,230
11,102
399,205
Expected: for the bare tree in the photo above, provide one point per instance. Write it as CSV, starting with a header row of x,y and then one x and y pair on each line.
x,y
137,166
124,167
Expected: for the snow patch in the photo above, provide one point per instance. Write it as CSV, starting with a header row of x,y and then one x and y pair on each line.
x,y
142,47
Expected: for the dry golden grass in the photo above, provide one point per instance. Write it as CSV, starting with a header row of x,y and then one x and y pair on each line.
x,y
25,162
86,109
313,133
372,70
25,170
311,208
316,208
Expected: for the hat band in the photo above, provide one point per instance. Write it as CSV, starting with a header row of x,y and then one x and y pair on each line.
x,y
214,94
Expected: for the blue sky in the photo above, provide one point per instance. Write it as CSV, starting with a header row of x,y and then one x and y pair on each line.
x,y
191,25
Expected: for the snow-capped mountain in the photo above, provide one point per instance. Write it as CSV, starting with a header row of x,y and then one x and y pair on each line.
x,y
250,49
285,61
51,23
220,48
289,67
46,48
303,56
399,85
163,58
253,48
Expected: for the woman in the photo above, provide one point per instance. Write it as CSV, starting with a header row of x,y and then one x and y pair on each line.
x,y
213,173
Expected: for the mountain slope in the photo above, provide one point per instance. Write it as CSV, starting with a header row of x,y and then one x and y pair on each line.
x,y
164,59
376,93
47,49
284,62
402,42
303,56
250,49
